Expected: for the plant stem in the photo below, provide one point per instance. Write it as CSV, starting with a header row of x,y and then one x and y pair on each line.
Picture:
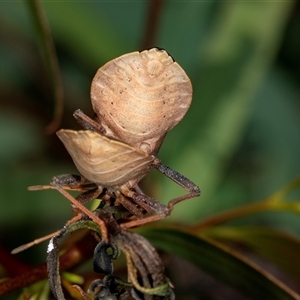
x,y
48,47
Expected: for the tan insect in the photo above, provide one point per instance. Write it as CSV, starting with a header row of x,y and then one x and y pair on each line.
x,y
137,98
103,161
140,96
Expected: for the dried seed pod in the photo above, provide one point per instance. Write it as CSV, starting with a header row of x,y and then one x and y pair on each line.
x,y
140,96
103,161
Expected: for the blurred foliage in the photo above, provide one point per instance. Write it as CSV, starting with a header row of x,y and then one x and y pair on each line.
x,y
240,140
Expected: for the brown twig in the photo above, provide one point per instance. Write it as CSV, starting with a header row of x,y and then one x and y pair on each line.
x,y
11,263
154,11
47,43
80,252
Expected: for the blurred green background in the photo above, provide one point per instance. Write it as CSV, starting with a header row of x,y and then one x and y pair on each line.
x,y
240,140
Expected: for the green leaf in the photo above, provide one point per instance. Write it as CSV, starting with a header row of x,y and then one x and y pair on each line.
x,y
36,291
279,247
86,31
229,70
222,263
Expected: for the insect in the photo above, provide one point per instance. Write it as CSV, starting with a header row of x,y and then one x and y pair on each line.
x,y
140,96
137,98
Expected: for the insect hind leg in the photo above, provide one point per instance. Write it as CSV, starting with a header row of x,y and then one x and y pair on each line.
x,y
188,185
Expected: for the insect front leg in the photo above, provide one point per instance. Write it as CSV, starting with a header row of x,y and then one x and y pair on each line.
x,y
192,188
75,183
64,182
67,182
83,210
87,123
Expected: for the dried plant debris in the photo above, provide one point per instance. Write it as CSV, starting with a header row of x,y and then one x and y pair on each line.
x,y
146,279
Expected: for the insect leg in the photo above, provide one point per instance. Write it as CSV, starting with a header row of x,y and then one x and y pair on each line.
x,y
35,242
139,190
192,188
67,182
143,221
87,123
83,209
132,207
163,211
147,203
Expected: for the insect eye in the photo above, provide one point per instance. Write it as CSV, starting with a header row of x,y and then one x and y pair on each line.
x,y
145,147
